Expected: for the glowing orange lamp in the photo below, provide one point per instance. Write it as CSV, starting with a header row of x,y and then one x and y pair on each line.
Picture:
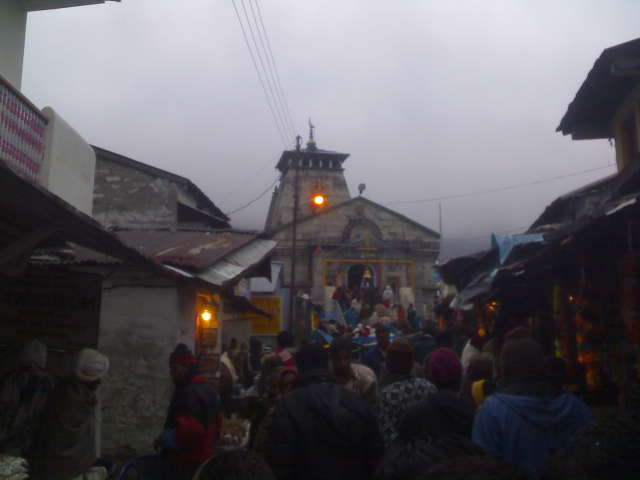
x,y
319,200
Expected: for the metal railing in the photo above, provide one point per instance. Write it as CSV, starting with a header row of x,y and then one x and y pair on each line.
x,y
22,132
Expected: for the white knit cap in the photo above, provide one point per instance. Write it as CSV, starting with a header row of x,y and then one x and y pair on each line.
x,y
91,365
34,354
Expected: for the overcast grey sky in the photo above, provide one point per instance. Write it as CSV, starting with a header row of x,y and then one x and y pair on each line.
x,y
431,98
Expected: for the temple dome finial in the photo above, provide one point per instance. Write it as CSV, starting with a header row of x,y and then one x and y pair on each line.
x,y
311,144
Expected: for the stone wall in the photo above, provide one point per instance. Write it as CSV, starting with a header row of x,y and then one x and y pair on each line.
x,y
310,182
359,223
130,198
143,317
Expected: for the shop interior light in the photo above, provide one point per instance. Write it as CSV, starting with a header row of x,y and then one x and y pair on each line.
x,y
205,315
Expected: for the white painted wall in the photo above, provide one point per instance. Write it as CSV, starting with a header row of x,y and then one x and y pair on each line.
x,y
142,319
69,163
13,23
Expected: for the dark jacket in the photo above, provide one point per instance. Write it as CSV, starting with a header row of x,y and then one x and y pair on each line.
x,y
66,445
321,430
437,428
193,422
525,424
440,413
23,396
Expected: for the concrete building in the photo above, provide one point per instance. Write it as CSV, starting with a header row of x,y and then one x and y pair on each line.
x,y
145,313
341,240
39,144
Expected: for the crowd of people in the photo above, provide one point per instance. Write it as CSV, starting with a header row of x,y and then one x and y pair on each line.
x,y
51,423
325,413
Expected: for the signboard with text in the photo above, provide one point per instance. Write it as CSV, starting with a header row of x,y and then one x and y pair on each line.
x,y
60,308
260,325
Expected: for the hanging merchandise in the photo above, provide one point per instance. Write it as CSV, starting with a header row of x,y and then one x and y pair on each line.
x,y
630,298
562,337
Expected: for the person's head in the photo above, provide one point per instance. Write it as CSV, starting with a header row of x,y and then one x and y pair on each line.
x,y
471,467
181,363
477,341
33,355
285,339
480,367
520,331
312,357
380,309
400,357
233,344
269,379
407,458
444,369
287,379
521,359
382,337
91,366
341,355
235,465
607,449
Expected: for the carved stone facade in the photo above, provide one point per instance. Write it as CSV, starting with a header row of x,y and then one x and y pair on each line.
x,y
336,244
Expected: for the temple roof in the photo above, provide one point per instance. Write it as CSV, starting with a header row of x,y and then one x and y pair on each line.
x,y
309,153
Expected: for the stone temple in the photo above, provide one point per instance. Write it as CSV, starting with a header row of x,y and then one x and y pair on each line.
x,y
345,240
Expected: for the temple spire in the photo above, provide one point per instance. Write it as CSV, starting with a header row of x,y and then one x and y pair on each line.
x,y
311,144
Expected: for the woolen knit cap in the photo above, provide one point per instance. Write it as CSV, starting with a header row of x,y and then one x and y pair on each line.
x,y
182,355
444,367
521,358
400,357
91,365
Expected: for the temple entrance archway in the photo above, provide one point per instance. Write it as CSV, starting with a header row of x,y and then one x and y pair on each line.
x,y
361,276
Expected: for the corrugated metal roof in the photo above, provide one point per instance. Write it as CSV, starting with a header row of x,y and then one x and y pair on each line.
x,y
237,263
31,216
194,250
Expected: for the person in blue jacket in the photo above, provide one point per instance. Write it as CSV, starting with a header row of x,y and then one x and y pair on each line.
x,y
528,419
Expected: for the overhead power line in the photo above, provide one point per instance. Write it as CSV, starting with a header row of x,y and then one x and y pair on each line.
x,y
276,119
500,189
228,214
260,54
275,70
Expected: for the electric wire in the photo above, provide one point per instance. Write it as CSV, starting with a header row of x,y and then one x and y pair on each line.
x,y
264,69
275,69
270,70
248,204
500,189
255,64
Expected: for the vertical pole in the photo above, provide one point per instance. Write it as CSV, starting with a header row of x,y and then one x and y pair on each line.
x,y
294,238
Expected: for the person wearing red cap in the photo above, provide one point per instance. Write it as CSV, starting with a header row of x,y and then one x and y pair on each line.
x,y
193,421
444,412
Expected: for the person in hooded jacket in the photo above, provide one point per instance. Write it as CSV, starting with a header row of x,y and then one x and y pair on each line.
x,y
193,422
321,430
528,419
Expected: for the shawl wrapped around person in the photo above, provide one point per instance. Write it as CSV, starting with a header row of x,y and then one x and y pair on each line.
x,y
66,447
